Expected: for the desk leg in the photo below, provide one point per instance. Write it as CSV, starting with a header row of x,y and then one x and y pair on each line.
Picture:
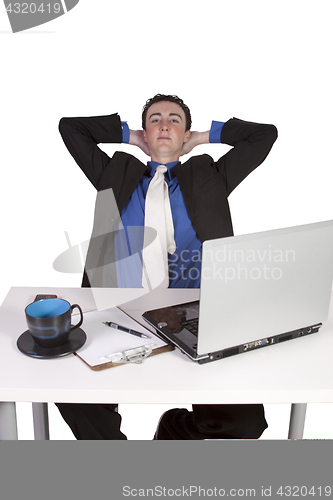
x,y
41,421
8,421
297,421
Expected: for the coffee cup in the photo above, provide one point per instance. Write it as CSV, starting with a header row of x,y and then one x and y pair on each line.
x,y
49,321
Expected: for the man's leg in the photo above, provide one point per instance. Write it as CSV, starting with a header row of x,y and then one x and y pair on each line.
x,y
92,421
213,422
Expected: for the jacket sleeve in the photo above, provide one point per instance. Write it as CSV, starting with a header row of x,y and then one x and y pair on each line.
x,y
82,136
251,144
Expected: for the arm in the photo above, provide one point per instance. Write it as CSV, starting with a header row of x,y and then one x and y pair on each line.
x,y
81,136
251,144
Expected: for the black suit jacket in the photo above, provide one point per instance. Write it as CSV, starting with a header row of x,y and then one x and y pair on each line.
x,y
205,184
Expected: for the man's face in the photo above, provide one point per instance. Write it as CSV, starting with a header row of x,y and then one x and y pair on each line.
x,y
165,131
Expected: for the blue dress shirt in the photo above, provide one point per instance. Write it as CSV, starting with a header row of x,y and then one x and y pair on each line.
x,y
185,263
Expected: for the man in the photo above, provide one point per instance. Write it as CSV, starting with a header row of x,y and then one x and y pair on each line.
x,y
198,191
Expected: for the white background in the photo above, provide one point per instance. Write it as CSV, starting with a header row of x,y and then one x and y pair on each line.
x,y
261,61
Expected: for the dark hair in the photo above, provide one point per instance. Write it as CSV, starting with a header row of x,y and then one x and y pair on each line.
x,y
171,98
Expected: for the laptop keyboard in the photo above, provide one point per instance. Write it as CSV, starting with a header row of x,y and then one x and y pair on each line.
x,y
191,325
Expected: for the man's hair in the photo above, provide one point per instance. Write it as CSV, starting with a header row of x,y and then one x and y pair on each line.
x,y
171,98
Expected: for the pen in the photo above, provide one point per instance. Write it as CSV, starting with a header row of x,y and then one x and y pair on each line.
x,y
124,329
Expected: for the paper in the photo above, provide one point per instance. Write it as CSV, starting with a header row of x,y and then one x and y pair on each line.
x,y
104,342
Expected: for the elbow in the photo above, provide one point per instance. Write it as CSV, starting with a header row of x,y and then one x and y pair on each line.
x,y
64,126
273,133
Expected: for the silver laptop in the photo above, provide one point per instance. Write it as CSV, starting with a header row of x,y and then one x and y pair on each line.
x,y
256,290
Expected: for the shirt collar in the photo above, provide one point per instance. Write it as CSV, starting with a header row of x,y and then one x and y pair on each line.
x,y
152,165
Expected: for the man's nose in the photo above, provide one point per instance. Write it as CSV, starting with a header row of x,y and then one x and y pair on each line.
x,y
164,125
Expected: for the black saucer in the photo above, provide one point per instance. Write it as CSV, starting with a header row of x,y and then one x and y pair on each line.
x,y
27,345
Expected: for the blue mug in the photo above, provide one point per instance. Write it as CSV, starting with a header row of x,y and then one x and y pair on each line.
x,y
49,321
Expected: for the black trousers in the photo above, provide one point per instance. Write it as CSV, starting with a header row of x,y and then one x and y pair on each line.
x,y
96,421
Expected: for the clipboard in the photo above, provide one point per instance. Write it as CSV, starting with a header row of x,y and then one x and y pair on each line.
x,y
107,347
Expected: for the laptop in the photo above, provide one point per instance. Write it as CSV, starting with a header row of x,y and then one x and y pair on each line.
x,y
256,290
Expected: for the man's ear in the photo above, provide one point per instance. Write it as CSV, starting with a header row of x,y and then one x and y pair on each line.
x,y
187,136
144,135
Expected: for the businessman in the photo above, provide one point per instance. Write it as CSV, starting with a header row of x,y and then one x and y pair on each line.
x,y
196,209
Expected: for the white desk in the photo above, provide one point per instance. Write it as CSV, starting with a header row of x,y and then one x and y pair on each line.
x,y
295,372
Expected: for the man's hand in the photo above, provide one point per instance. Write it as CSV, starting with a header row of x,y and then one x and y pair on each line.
x,y
196,139
136,139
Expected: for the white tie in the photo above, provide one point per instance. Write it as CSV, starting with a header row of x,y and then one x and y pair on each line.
x,y
159,217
